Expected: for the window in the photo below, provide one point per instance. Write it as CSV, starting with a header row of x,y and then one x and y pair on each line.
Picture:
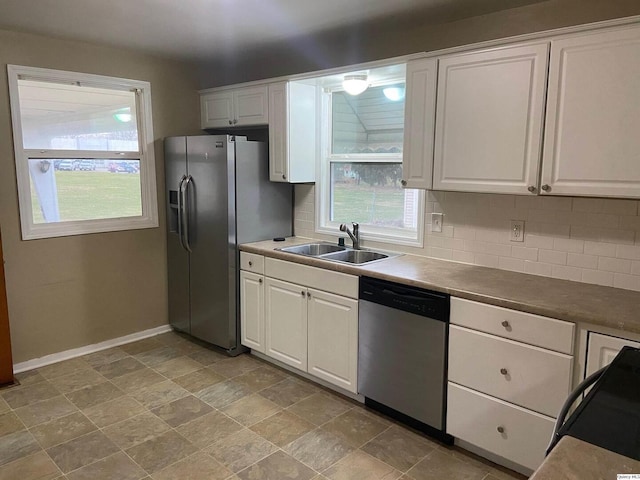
x,y
84,152
361,160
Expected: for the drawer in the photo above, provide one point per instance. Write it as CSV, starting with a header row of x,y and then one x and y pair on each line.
x,y
475,418
325,280
252,262
528,376
524,327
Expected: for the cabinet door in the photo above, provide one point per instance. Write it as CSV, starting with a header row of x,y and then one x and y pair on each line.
x,y
489,114
333,339
419,118
250,106
216,109
286,322
602,349
593,118
252,310
278,135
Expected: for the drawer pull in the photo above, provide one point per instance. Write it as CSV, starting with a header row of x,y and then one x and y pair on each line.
x,y
259,280
250,263
504,371
505,323
500,429
302,293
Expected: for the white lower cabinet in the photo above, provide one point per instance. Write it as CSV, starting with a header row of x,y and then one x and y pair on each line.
x,y
503,394
286,322
602,349
252,310
333,338
311,326
499,427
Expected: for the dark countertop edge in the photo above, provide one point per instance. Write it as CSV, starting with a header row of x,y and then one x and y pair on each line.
x,y
556,312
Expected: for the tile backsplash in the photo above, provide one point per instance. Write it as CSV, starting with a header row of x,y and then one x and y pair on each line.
x,y
591,240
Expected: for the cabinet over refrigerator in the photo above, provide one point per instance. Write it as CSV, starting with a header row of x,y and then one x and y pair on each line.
x,y
218,196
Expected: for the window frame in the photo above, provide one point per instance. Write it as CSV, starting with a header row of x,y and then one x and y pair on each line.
x,y
145,154
323,223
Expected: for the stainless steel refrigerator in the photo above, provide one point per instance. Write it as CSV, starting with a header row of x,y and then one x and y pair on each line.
x,y
218,196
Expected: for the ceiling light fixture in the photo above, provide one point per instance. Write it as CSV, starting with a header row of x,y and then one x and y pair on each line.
x,y
355,84
394,94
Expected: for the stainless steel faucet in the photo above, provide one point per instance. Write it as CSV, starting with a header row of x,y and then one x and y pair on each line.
x,y
354,236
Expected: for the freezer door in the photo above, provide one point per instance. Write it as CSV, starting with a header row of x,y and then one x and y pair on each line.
x,y
175,156
209,200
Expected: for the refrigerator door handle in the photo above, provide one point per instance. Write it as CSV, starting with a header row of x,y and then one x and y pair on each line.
x,y
185,203
180,210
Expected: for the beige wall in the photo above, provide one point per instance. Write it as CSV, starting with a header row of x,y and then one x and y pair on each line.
x,y
69,292
394,38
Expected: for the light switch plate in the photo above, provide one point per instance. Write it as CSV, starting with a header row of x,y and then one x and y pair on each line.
x,y
517,231
436,222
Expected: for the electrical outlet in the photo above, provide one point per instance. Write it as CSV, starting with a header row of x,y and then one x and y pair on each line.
x,y
436,222
517,231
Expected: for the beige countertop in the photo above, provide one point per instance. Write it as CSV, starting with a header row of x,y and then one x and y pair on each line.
x,y
565,300
573,459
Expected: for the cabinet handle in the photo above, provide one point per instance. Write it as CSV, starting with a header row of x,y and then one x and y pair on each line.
x,y
403,182
308,294
545,187
302,293
505,324
504,371
235,121
230,122
250,263
284,177
532,189
259,280
500,429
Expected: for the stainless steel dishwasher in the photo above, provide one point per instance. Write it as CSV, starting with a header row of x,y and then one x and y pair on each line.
x,y
402,353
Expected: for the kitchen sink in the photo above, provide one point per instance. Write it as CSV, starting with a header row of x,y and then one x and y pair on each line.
x,y
356,256
337,253
313,249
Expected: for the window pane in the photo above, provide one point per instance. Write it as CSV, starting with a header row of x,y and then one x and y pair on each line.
x,y
59,116
372,122
84,189
371,194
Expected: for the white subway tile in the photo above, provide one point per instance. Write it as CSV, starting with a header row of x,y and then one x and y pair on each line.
x,y
597,277
628,222
474,246
538,241
510,263
498,249
635,268
568,245
556,204
585,233
566,273
620,207
617,265
537,268
502,201
464,233
629,282
524,253
464,257
614,235
553,230
631,252
552,256
588,205
531,202
443,253
489,235
487,260
600,249
582,261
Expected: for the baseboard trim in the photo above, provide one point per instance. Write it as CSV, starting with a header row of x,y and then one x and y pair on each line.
x,y
96,347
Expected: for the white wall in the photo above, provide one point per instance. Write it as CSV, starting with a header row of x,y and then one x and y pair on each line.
x,y
591,240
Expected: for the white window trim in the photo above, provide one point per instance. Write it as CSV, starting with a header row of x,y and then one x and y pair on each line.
x,y
148,190
323,224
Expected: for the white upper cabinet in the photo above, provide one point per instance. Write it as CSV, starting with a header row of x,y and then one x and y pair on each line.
x,y
239,107
292,132
592,139
419,118
490,107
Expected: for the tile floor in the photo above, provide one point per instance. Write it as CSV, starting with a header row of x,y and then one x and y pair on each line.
x,y
166,408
